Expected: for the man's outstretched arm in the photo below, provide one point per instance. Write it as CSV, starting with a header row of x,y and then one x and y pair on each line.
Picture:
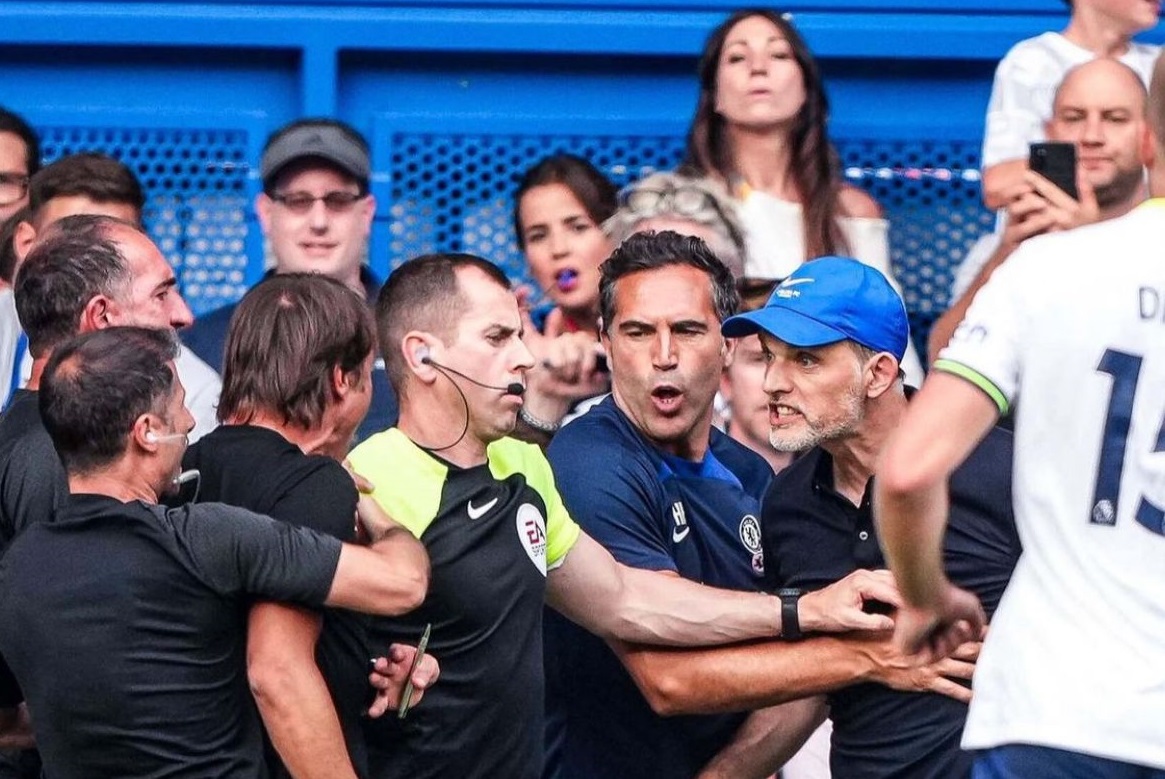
x,y
655,607
744,677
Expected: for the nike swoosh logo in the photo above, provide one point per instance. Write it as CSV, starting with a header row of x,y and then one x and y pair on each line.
x,y
795,282
679,535
479,512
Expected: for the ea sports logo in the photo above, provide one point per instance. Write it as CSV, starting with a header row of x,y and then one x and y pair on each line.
x,y
532,534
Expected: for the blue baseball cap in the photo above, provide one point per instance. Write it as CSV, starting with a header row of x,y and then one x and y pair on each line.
x,y
828,300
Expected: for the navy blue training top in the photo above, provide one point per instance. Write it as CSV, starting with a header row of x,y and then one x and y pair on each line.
x,y
655,512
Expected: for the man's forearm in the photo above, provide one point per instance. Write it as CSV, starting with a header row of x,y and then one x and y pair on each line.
x,y
767,740
911,526
746,676
291,694
666,610
944,327
16,728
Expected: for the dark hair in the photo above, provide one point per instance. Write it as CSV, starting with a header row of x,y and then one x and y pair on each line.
x,y
286,337
754,293
598,196
814,165
423,294
11,122
8,259
98,177
78,259
95,387
297,164
651,251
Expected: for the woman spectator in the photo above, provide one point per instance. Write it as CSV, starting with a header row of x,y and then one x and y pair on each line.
x,y
559,208
759,129
689,206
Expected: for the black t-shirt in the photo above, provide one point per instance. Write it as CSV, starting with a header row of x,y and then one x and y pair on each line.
x,y
124,623
813,536
260,470
32,485
32,479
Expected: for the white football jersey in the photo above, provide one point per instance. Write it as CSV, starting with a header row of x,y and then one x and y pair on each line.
x,y
1072,329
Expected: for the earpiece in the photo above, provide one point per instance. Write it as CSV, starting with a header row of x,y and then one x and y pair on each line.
x,y
151,437
421,355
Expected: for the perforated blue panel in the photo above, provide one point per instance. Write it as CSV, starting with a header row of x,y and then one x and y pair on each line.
x,y
454,193
196,198
929,190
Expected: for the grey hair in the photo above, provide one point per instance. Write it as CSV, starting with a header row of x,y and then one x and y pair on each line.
x,y
728,242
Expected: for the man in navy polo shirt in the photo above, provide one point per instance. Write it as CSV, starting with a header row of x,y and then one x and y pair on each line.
x,y
647,475
833,334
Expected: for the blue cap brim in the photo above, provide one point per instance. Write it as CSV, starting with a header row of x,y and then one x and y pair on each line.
x,y
783,324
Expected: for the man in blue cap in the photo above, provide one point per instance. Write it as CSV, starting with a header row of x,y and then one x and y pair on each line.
x,y
833,334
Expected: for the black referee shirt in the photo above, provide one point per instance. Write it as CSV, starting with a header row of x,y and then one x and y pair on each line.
x,y
813,536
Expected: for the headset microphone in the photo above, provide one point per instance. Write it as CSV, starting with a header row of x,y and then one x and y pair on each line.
x,y
513,388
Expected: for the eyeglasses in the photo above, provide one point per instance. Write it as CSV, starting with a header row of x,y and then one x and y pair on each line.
x,y
13,187
336,202
683,200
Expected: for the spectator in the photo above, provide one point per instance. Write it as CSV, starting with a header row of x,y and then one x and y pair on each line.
x,y
13,343
559,209
297,378
316,213
742,385
153,598
97,184
1088,490
500,541
1027,77
1100,106
759,130
87,273
688,206
19,160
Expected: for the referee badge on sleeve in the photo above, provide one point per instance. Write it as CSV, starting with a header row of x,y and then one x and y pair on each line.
x,y
532,534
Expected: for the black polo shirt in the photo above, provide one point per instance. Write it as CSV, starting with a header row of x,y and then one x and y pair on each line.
x,y
813,536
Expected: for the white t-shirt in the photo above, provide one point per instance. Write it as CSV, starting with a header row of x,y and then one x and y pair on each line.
x,y
1025,85
775,237
1073,327
9,337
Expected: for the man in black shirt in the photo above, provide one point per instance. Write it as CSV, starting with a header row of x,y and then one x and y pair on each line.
x,y
833,334
87,272
296,381
124,620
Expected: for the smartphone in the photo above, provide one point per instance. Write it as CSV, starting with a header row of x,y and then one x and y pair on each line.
x,y
1056,162
406,698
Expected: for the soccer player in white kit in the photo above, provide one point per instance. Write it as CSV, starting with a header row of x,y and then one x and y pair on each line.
x,y
1071,330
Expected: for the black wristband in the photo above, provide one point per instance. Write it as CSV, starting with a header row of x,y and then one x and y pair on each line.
x,y
790,623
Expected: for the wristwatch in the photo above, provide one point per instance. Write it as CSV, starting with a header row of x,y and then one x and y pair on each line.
x,y
790,624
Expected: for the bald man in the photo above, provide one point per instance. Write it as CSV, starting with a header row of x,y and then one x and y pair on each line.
x,y
1071,681
1100,107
